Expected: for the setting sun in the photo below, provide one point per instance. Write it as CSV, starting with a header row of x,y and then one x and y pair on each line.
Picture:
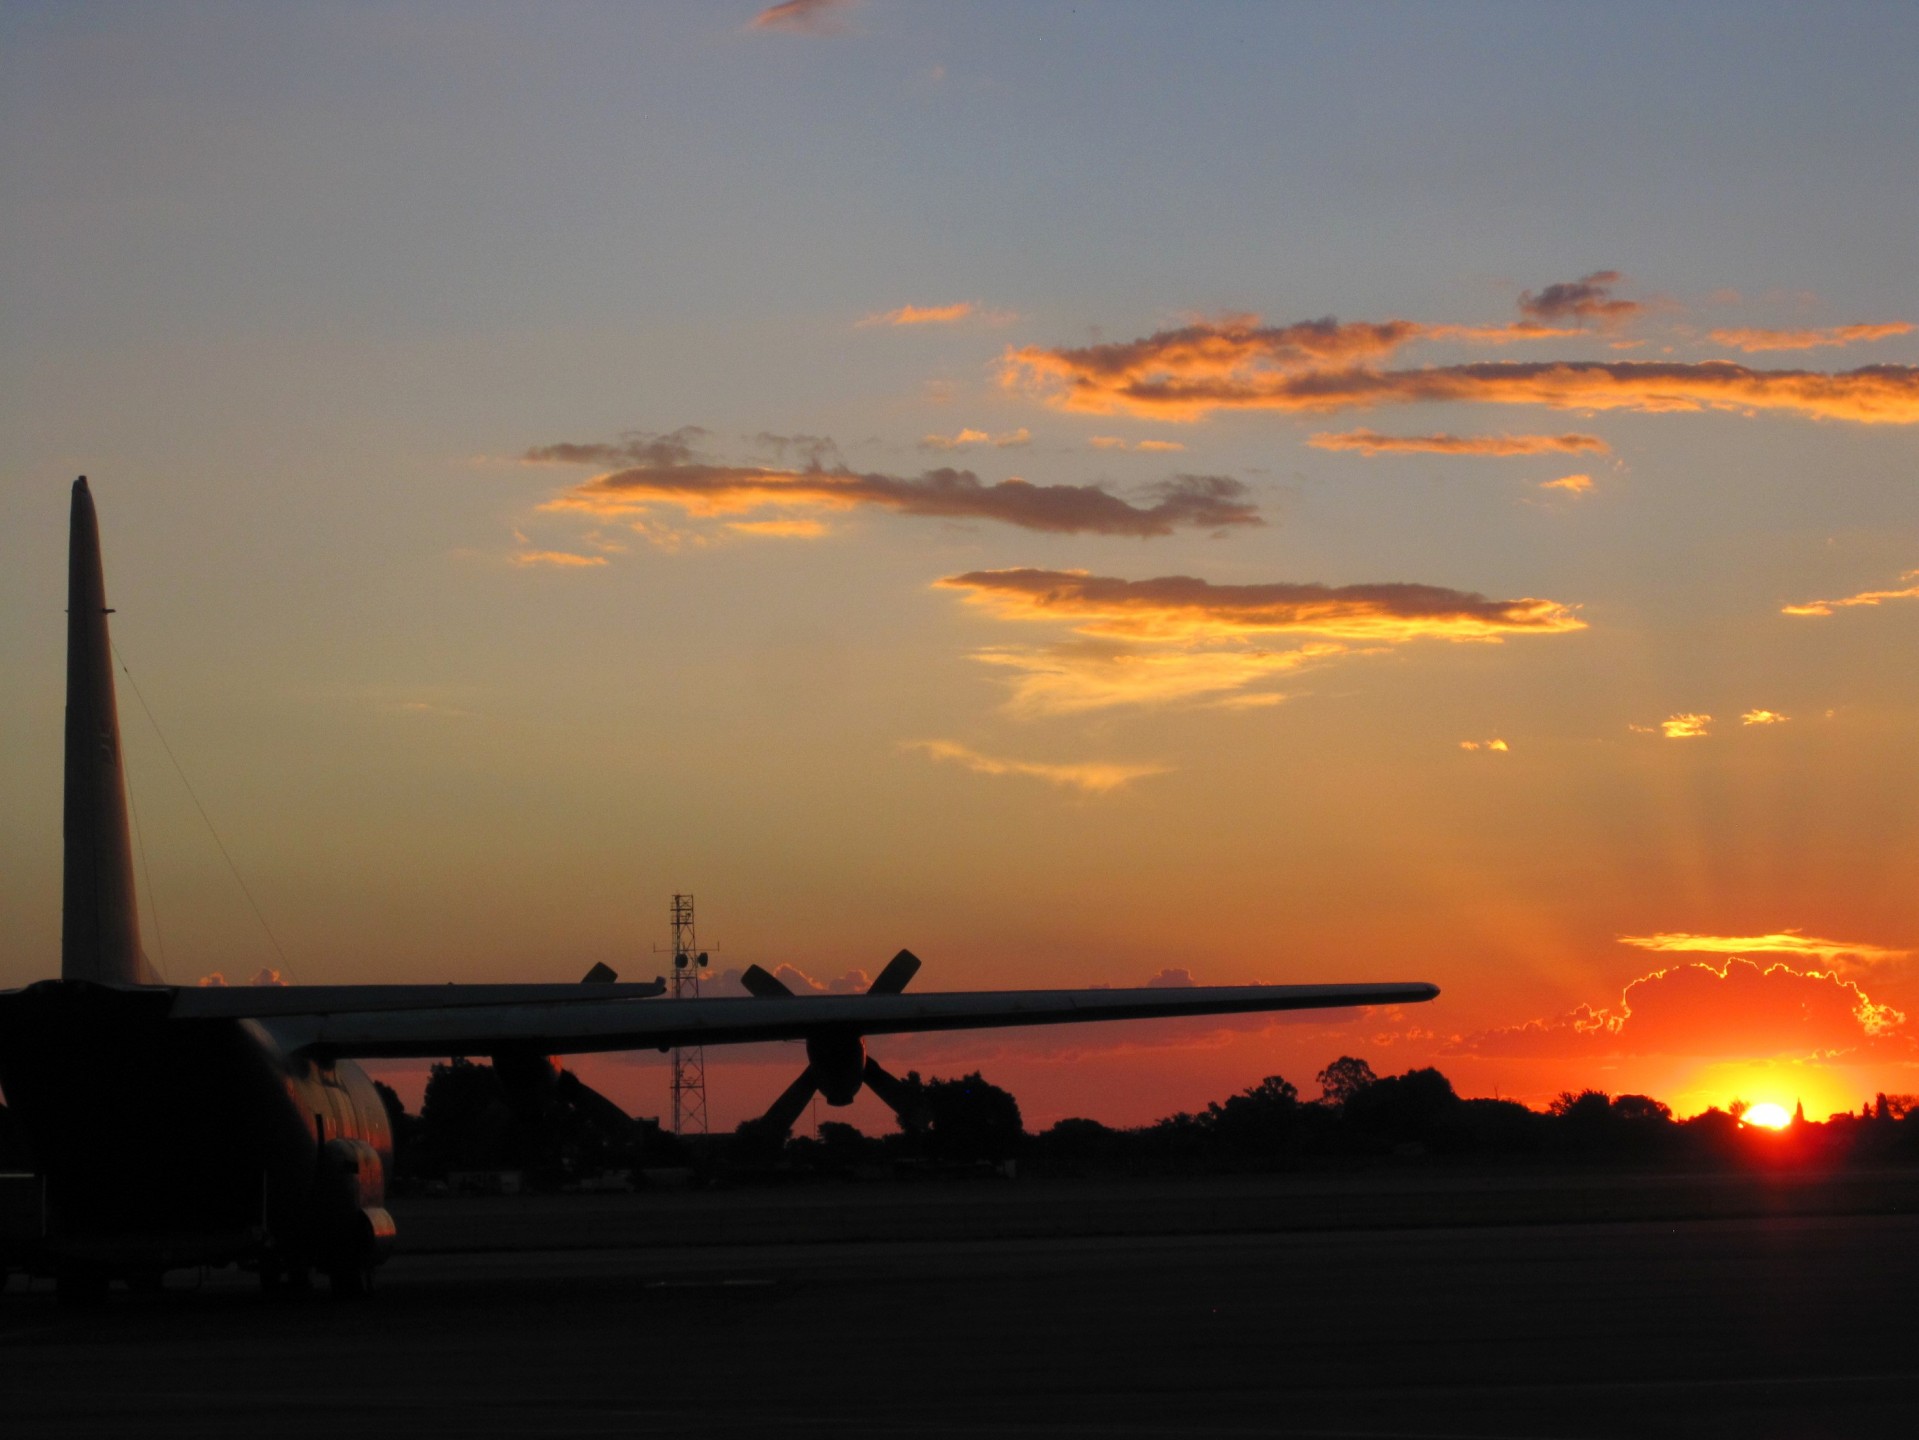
x,y
1768,1116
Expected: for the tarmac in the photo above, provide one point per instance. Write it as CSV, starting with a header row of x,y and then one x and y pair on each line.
x,y
1264,1307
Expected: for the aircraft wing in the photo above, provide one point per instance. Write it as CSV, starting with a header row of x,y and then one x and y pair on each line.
x,y
571,1023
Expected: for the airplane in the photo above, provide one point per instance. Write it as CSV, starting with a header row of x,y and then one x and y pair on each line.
x,y
185,1126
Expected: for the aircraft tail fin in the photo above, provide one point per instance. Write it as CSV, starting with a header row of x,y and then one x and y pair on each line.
x,y
100,919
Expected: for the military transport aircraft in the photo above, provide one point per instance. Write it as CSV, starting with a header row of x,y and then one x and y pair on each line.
x,y
184,1126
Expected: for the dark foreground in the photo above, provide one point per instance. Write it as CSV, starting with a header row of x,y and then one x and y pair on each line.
x,y
551,1317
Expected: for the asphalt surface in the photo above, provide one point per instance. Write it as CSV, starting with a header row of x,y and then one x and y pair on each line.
x,y
1775,1325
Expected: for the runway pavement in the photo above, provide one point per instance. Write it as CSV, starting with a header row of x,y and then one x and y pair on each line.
x,y
1776,1326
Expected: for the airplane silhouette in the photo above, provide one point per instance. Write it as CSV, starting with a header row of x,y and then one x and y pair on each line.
x,y
185,1126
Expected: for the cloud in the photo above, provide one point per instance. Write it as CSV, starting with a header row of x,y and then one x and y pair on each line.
x,y
1324,366
1832,337
922,315
1779,942
1371,442
1763,717
1685,727
1740,1011
1185,641
663,471
1093,778
779,529
1113,442
1181,607
1496,746
853,982
1572,484
562,559
1864,597
1584,299
1076,678
1174,977
804,17
1006,440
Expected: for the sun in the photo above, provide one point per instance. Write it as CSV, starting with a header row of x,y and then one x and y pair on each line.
x,y
1767,1116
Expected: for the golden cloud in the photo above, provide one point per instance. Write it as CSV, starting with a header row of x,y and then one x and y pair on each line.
x,y
1371,442
1093,778
1572,484
1778,942
1113,442
1833,337
1322,366
922,315
1763,717
1496,746
1740,1011
559,558
1685,727
779,529
1007,440
1181,607
662,470
1864,597
1073,679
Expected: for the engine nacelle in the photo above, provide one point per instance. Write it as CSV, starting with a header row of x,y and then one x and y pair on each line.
x,y
839,1065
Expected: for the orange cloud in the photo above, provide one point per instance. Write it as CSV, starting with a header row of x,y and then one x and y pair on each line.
x,y
804,17
1371,442
1324,366
1864,597
1113,442
779,529
662,470
1740,1011
1181,607
1092,778
1074,679
1496,746
559,558
1581,300
922,315
1763,717
1573,484
1779,942
1833,337
1007,440
1685,727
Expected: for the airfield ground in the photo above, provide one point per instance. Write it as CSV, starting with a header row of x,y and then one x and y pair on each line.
x,y
1314,1306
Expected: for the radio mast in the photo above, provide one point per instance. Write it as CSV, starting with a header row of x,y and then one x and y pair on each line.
x,y
689,1061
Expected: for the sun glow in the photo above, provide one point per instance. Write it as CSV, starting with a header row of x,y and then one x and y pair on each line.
x,y
1767,1116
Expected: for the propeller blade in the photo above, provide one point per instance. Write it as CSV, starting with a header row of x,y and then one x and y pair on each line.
x,y
891,1089
899,970
767,987
781,1114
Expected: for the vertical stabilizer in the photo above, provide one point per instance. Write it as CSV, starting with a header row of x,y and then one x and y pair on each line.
x,y
100,924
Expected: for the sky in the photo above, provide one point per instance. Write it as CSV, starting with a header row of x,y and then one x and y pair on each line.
x,y
1096,495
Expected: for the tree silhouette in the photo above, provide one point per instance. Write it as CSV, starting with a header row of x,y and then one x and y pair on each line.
x,y
967,1119
1343,1079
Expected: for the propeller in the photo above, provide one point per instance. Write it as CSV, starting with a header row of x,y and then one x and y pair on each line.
x,y
837,1065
